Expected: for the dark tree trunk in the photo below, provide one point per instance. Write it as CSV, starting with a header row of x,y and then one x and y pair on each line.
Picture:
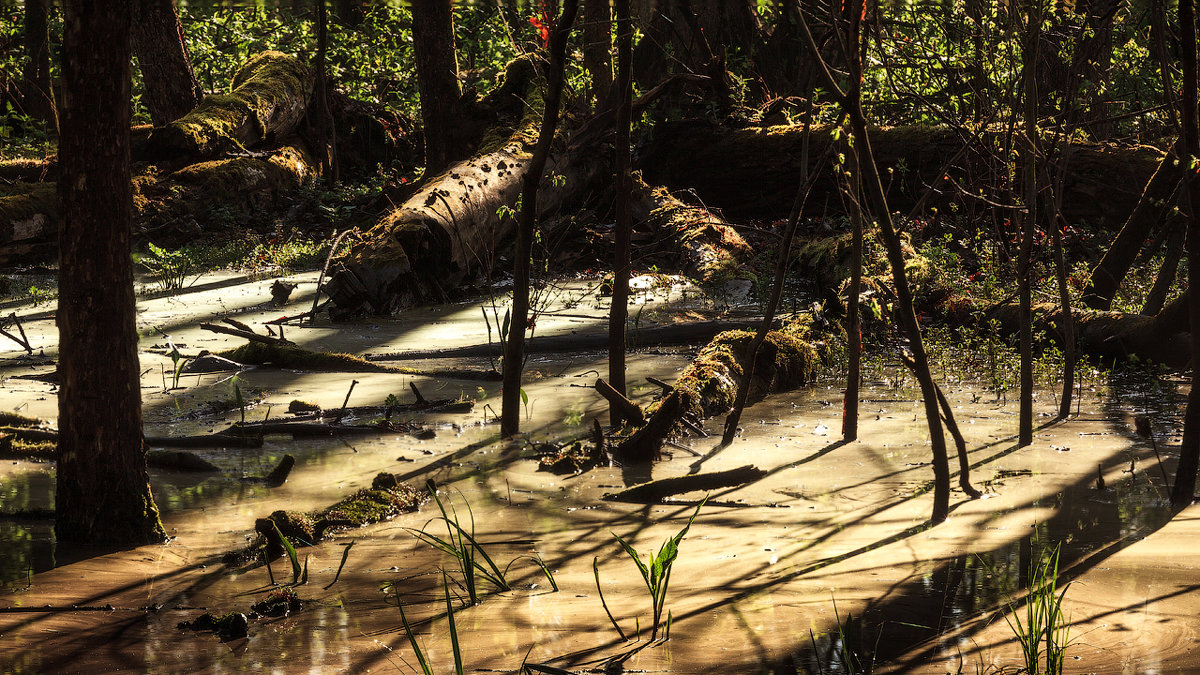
x,y
103,490
1184,489
597,46
1170,269
619,311
38,98
319,113
1029,159
437,80
172,89
514,348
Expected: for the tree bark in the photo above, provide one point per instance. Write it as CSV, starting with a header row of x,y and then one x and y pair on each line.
x,y
597,46
103,489
172,89
619,308
514,352
437,80
37,93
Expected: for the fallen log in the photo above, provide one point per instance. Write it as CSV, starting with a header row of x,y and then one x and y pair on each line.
x,y
217,440
287,356
267,101
656,491
245,334
449,228
709,247
179,461
751,173
630,411
708,385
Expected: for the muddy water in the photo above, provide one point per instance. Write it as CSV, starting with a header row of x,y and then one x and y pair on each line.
x,y
763,577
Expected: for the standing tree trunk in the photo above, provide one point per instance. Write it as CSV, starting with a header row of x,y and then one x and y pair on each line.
x,y
851,102
319,114
514,348
1184,489
1029,155
597,46
39,99
172,89
619,311
437,80
103,490
853,319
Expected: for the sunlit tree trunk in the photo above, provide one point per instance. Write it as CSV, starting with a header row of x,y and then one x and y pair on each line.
x,y
619,311
1184,489
514,348
1029,154
171,87
103,490
437,80
851,101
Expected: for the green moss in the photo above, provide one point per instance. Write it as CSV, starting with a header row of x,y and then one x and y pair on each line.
x,y
374,505
522,81
12,419
23,209
37,451
298,406
297,526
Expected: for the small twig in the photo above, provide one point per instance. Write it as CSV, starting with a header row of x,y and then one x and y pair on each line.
x,y
312,314
416,392
341,412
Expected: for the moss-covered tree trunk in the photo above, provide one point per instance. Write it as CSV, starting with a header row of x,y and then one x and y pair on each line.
x,y
103,490
171,87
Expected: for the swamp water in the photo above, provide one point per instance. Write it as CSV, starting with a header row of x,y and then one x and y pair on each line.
x,y
763,578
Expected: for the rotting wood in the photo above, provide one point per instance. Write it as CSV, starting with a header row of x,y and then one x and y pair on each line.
x,y
179,461
656,491
268,99
752,172
279,474
245,333
708,385
217,440
629,411
287,356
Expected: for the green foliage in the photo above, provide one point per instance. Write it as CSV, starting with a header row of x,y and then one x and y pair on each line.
x,y
169,269
1044,633
656,575
473,561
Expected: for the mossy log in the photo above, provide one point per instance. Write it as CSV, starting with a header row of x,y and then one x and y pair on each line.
x,y
1105,336
708,385
450,227
28,221
709,247
753,172
286,356
29,170
267,101
656,491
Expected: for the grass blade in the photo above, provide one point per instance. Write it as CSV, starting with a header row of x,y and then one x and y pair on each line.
x,y
458,662
345,555
291,553
596,571
412,639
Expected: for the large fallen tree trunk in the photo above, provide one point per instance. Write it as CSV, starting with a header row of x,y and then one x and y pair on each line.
x,y
752,172
267,100
707,386
450,227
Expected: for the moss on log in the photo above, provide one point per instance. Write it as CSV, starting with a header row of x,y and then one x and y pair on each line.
x,y
709,384
28,217
268,99
753,172
709,247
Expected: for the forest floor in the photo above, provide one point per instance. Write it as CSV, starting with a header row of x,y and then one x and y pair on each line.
x,y
763,577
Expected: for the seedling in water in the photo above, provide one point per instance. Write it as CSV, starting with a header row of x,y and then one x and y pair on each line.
x,y
1044,622
460,544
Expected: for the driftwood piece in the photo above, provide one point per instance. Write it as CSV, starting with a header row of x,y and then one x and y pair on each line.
x,y
708,385
630,411
268,99
656,491
279,474
179,461
217,440
286,356
245,333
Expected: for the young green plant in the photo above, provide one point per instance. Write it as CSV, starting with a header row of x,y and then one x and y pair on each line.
x,y
460,544
1045,631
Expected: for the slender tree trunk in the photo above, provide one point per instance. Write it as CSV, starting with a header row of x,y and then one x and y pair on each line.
x,y
1170,269
514,348
853,320
103,490
597,45
39,98
437,80
172,89
619,311
781,265
1184,489
1064,300
319,113
1029,154
852,103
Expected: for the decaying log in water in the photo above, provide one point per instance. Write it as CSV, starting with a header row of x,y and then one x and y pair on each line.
x,y
268,99
710,248
656,491
451,225
385,499
176,206
753,172
708,385
286,356
629,410
1106,336
179,461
